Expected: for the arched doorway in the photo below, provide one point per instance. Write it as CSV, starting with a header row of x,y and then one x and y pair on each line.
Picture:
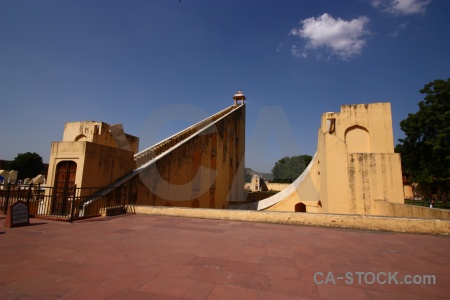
x,y
64,187
300,207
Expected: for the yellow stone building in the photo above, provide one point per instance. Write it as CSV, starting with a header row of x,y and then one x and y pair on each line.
x,y
201,166
91,154
353,169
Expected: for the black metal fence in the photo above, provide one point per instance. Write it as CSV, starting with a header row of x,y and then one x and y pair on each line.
x,y
67,204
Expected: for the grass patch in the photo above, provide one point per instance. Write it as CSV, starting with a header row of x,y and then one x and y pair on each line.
x,y
427,203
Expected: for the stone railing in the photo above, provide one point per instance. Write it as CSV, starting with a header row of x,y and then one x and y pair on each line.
x,y
148,154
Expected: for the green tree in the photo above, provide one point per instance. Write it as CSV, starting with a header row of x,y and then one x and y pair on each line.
x,y
27,165
248,177
425,150
289,168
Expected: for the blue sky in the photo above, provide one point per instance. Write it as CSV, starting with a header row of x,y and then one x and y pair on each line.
x,y
130,61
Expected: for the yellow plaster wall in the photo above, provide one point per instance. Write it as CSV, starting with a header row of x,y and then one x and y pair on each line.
x,y
408,192
97,165
333,174
373,176
104,165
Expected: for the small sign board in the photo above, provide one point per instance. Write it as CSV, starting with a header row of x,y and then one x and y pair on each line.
x,y
17,215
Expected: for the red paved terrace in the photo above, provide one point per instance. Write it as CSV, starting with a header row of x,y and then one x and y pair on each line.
x,y
154,257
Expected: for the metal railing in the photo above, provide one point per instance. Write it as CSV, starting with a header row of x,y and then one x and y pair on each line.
x,y
67,203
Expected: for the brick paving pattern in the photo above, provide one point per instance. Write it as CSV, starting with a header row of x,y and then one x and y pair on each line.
x,y
155,257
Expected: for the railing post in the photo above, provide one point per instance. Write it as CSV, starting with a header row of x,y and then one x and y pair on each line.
x,y
29,195
127,192
18,194
38,191
8,190
72,208
64,199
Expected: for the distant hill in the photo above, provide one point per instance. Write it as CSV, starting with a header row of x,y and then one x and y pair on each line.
x,y
265,176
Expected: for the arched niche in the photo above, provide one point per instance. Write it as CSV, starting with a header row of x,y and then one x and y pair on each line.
x,y
357,139
81,138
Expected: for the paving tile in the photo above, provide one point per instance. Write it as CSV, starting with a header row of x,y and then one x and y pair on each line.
x,y
130,278
176,258
331,291
93,291
251,250
248,258
225,292
373,294
175,270
199,290
280,253
207,262
129,294
211,275
294,287
31,286
243,267
275,261
93,274
12,275
268,295
282,272
249,281
168,286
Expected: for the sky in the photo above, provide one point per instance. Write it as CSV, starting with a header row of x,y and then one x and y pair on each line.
x,y
158,66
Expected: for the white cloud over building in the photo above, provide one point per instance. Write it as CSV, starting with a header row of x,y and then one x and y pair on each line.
x,y
342,38
401,7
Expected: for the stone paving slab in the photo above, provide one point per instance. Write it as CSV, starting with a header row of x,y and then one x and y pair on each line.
x,y
160,257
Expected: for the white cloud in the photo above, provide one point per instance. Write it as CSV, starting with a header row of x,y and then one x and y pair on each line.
x,y
343,38
280,47
297,52
400,28
401,7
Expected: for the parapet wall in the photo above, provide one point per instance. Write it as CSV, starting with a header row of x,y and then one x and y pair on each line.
x,y
406,225
384,208
100,133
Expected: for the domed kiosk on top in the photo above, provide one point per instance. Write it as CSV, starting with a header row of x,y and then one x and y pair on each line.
x,y
239,96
